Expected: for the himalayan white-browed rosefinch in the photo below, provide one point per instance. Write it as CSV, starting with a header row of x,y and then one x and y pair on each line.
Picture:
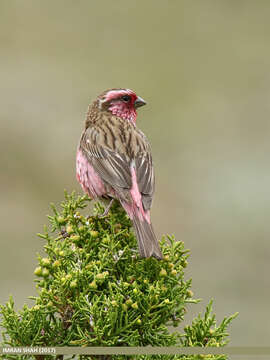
x,y
114,161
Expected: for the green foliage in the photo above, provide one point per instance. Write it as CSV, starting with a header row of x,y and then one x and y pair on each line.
x,y
95,290
204,331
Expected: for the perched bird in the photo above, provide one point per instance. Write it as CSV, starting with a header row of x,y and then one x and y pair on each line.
x,y
114,162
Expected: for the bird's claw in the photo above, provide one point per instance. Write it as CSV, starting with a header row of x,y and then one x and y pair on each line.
x,y
105,213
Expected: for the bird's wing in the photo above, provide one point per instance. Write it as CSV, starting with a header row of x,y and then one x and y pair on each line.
x,y
113,164
145,178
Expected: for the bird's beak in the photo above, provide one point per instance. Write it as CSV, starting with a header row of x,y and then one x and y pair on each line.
x,y
139,102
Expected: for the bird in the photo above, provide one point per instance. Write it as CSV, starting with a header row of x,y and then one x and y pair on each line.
x,y
114,162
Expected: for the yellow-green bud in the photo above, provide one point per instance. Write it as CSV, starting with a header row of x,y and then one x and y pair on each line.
x,y
100,276
163,272
94,233
50,304
117,227
126,284
163,288
211,331
36,307
124,307
166,258
81,228
174,272
45,261
166,301
93,284
38,271
75,238
134,305
139,321
61,253
189,293
61,220
135,291
114,303
68,277
171,265
129,302
69,229
73,284
145,281
63,279
56,263
45,272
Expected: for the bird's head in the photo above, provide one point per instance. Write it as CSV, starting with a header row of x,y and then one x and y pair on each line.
x,y
120,102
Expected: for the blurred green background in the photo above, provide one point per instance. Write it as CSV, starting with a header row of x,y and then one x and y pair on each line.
x,y
204,69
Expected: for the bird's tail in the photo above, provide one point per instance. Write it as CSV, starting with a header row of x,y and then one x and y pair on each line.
x,y
147,241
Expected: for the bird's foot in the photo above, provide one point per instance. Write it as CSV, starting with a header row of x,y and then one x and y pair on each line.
x,y
106,210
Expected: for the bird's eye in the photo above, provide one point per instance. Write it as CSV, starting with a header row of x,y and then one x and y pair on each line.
x,y
126,98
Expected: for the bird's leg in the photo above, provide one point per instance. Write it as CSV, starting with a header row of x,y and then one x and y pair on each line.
x,y
107,209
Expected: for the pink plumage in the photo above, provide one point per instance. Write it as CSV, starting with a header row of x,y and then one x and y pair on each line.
x,y
136,206
114,161
90,181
